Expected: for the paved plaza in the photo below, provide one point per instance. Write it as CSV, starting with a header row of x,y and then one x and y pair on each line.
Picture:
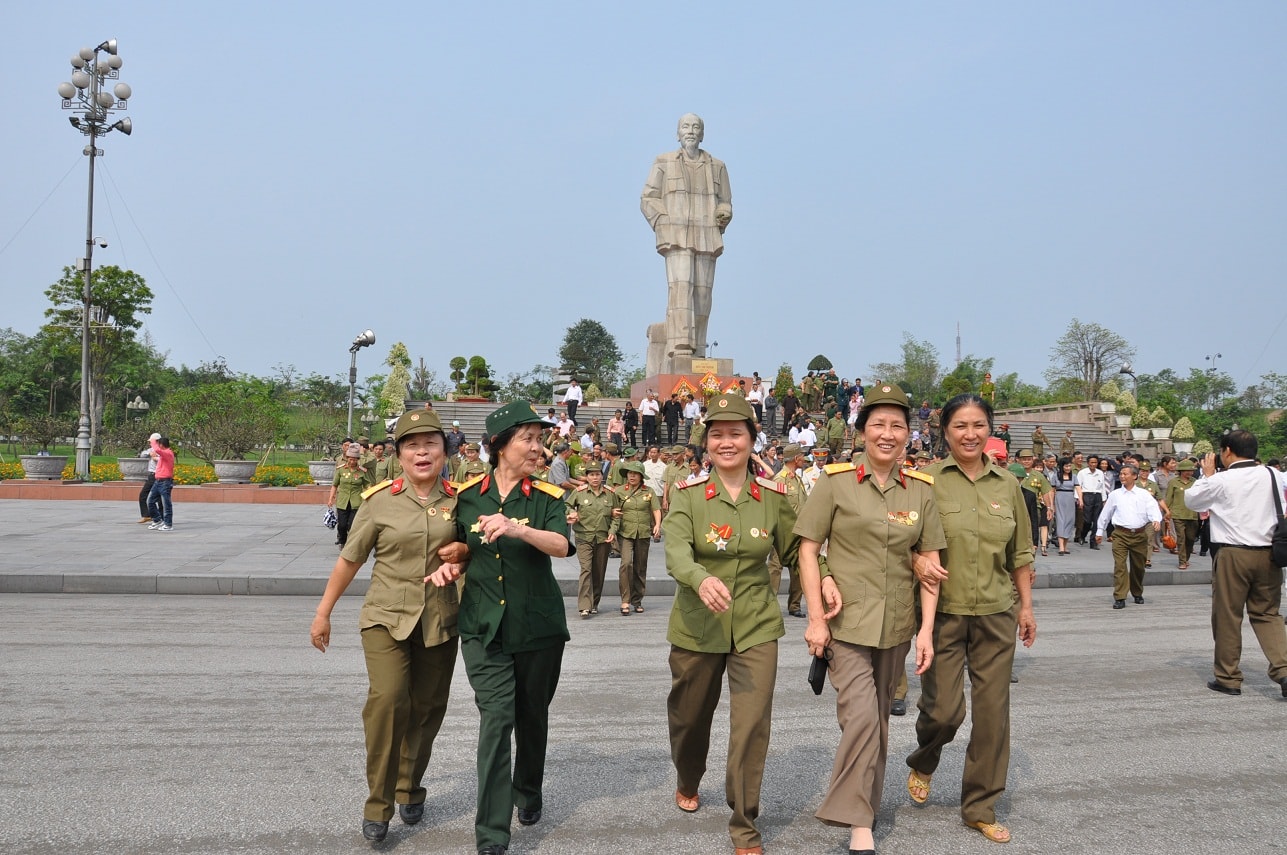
x,y
207,724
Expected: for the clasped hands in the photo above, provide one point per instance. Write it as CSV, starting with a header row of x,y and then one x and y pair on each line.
x,y
453,557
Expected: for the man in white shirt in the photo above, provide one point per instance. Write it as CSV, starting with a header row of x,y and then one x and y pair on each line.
x,y
1090,498
692,412
648,409
1243,517
573,398
1134,514
565,425
807,437
755,397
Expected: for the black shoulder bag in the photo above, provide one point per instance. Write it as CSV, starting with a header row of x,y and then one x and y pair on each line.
x,y
1278,543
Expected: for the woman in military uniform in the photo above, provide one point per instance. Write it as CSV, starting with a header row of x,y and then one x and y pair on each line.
x,y
590,513
408,628
1176,511
873,516
350,481
636,520
719,532
987,561
512,621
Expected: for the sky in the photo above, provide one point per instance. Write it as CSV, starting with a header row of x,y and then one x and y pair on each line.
x,y
465,177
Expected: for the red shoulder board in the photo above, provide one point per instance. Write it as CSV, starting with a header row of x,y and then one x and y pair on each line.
x,y
446,487
711,490
397,487
527,486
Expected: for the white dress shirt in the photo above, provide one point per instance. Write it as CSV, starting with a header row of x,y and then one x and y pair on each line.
x,y
574,394
1091,481
1242,508
648,407
1133,508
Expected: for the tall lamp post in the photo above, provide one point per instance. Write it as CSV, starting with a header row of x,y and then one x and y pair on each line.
x,y
1211,372
85,94
366,339
1135,383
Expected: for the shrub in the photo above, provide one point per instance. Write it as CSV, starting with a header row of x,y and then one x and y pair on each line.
x,y
592,393
222,421
1202,446
11,471
1126,403
1183,430
282,476
188,474
1161,418
1142,417
1110,391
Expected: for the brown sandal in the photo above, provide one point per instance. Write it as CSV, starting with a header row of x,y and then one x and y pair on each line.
x,y
994,831
918,787
688,804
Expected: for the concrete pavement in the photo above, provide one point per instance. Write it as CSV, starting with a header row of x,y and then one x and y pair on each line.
x,y
184,724
98,547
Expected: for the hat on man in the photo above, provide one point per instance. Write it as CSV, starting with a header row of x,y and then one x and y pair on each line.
x,y
887,393
791,451
154,436
632,466
1026,452
353,450
611,448
1145,466
455,423
729,407
472,446
416,421
820,451
629,452
511,415
924,455
1186,466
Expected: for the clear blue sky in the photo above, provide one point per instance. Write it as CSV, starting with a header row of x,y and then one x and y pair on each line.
x,y
465,177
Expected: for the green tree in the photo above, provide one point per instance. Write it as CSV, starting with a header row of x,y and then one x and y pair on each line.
x,y
590,354
222,421
458,365
119,298
397,386
918,372
784,380
1087,353
819,363
967,376
478,378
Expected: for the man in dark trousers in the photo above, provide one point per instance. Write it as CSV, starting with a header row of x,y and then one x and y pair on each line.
x,y
670,414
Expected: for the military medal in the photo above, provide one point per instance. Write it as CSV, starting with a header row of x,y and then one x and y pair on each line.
x,y
755,532
996,506
913,516
446,514
433,512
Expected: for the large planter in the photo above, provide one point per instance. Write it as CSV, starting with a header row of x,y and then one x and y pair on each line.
x,y
235,471
132,468
1106,407
1183,446
1122,419
322,472
1139,434
1161,433
37,467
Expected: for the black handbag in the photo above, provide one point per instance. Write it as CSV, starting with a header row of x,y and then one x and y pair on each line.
x,y
1278,543
818,670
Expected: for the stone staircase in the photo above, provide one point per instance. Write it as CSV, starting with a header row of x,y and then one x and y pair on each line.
x,y
1093,430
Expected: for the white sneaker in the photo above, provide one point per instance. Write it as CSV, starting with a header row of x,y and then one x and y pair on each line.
x,y
154,525
164,527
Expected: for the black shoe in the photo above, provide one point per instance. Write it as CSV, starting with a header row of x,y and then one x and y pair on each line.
x,y
1139,601
1119,604
1202,554
374,831
1283,682
1225,690
411,814
862,852
796,613
528,817
493,849
1014,678
898,707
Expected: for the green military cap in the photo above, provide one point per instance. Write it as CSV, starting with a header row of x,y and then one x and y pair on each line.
x,y
792,450
629,452
513,414
1026,452
472,446
632,466
1186,466
364,440
611,448
417,421
729,407
923,455
886,393
1145,466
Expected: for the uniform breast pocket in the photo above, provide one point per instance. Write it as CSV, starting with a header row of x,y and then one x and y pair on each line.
x,y
998,522
676,185
854,600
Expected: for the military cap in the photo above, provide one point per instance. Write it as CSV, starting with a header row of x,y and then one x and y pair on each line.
x,y
1026,452
417,421
791,451
886,393
632,466
629,452
729,407
513,414
364,440
354,450
924,455
472,446
1186,466
611,448
1145,466
821,451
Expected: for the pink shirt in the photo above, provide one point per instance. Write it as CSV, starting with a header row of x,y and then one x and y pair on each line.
x,y
164,463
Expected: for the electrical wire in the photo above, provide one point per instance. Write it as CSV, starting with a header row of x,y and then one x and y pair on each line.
x,y
38,207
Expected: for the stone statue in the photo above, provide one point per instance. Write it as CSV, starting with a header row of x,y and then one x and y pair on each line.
x,y
688,202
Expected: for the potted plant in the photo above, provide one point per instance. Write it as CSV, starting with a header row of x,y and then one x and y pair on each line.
x,y
1141,421
221,423
1108,396
1125,409
1182,436
1203,446
43,430
1162,422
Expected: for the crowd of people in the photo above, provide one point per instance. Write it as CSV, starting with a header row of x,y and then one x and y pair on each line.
x,y
911,534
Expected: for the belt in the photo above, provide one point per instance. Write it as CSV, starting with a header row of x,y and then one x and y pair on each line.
x,y
1131,530
1237,546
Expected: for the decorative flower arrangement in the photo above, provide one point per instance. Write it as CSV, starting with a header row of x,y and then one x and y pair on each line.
x,y
1141,417
1202,446
1161,418
1126,403
282,476
1183,430
1109,392
710,386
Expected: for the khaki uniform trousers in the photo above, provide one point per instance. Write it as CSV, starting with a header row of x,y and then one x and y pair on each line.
x,y
634,568
1246,578
513,694
1186,534
594,565
794,589
405,705
864,679
986,644
696,680
1130,554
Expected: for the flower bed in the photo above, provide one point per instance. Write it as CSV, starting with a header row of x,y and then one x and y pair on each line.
x,y
282,476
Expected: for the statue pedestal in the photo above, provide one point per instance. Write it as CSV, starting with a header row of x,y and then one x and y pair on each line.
x,y
686,377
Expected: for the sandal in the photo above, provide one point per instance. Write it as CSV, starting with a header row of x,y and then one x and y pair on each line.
x,y
688,804
1184,567
994,831
585,613
1043,551
625,609
918,787
638,610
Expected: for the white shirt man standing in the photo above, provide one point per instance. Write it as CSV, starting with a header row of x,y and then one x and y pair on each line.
x,y
1089,485
573,398
1135,515
1243,517
648,409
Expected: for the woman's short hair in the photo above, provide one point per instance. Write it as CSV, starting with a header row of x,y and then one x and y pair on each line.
x,y
967,399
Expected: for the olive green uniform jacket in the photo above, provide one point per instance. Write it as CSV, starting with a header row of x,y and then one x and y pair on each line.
x,y
349,485
594,513
636,512
709,534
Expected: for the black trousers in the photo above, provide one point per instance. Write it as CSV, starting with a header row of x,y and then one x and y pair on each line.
x,y
144,511
672,432
1091,505
344,521
649,430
